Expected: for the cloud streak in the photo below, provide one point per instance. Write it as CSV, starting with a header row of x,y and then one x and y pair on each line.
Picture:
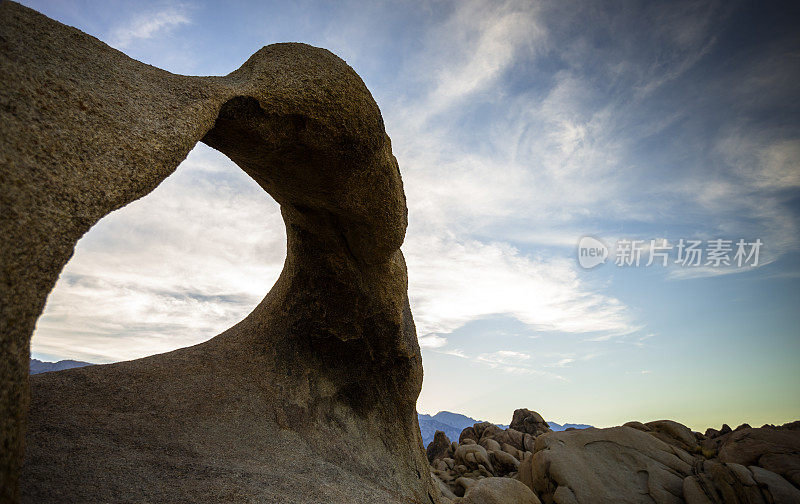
x,y
148,25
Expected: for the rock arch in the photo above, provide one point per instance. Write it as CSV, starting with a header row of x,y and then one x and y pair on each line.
x,y
311,398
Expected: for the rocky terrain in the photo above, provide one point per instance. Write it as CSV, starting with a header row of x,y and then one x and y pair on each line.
x,y
453,423
655,462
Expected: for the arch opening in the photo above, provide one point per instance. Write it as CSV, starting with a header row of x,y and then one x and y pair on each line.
x,y
172,269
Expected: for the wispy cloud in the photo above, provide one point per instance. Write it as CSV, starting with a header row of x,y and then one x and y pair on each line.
x,y
477,44
562,363
514,362
432,341
640,342
455,353
505,357
452,282
149,25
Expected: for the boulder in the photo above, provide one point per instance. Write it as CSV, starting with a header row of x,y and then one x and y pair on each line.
x,y
472,456
443,488
616,466
503,462
714,482
490,444
530,422
511,436
516,453
498,491
438,448
525,471
638,426
673,433
468,433
439,465
777,450
463,485
518,439
529,442
780,490
487,430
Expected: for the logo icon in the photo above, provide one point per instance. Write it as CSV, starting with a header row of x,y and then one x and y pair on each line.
x,y
591,252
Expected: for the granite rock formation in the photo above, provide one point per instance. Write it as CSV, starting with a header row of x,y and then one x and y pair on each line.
x,y
529,422
310,398
498,491
655,462
646,465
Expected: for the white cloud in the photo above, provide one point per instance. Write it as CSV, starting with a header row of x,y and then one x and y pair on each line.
x,y
169,270
456,353
479,42
763,163
432,341
562,363
504,357
148,25
514,362
452,282
640,342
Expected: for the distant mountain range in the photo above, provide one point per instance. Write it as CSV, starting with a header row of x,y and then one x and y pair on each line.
x,y
450,423
38,366
453,423
559,427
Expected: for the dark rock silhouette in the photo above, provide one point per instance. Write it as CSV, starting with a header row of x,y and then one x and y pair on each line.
x,y
311,398
439,447
529,422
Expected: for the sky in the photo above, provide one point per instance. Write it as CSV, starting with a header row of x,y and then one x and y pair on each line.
x,y
519,127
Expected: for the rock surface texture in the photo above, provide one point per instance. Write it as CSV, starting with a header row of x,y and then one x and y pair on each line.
x,y
655,462
311,398
663,462
498,491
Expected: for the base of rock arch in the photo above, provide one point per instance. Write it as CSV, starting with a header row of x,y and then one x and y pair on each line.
x,y
312,397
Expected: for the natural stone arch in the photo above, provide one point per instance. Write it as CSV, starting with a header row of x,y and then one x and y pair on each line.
x,y
312,396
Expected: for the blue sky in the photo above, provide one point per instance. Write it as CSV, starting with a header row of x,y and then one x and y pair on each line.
x,y
519,127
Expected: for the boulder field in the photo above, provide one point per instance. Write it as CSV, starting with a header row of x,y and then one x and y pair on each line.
x,y
661,462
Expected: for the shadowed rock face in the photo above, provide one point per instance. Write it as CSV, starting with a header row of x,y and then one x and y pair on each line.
x,y
308,399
